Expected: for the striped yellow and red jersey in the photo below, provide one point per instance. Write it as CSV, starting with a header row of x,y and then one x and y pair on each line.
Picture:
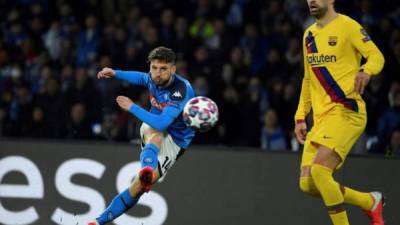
x,y
332,58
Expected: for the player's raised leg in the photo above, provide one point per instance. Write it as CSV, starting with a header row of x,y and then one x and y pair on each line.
x,y
142,183
148,157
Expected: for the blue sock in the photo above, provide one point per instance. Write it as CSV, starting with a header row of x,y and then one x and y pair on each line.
x,y
148,156
120,204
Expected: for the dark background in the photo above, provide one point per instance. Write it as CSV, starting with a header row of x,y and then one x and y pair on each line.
x,y
246,55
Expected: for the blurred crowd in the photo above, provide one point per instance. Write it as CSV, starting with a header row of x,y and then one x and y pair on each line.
x,y
244,54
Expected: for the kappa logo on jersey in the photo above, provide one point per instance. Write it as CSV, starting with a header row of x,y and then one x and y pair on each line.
x,y
332,40
177,94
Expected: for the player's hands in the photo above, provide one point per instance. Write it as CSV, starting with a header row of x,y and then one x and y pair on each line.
x,y
124,102
300,130
106,73
361,81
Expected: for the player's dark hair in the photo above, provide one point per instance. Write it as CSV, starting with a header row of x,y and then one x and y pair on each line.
x,y
163,54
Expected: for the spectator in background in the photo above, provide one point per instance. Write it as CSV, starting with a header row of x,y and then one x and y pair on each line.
x,y
20,110
52,102
53,40
228,106
143,25
272,136
255,47
3,115
182,68
289,103
271,15
201,86
365,16
234,17
150,39
273,68
36,31
88,42
220,43
201,65
15,34
393,148
78,126
28,54
166,27
37,126
394,63
252,102
133,58
118,46
67,55
39,81
202,28
67,20
183,42
5,102
85,92
131,20
205,8
389,120
235,67
293,56
4,57
275,94
67,77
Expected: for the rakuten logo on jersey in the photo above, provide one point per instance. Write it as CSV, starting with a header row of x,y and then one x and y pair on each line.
x,y
35,189
316,59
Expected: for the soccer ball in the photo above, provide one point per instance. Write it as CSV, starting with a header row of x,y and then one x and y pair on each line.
x,y
200,113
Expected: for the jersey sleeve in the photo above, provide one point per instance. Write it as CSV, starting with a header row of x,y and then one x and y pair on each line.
x,y
304,106
178,97
363,43
133,77
159,122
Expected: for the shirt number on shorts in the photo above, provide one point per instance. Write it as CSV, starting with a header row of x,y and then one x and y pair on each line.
x,y
167,163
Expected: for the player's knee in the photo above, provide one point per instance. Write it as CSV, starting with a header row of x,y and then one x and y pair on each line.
x,y
304,185
307,186
153,136
320,173
157,139
315,173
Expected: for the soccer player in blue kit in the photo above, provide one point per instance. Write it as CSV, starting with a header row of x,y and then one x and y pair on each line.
x,y
164,134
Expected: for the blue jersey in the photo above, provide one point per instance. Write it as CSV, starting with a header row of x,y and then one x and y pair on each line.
x,y
166,105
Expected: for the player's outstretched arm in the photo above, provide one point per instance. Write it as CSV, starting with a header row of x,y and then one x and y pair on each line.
x,y
133,77
159,122
106,73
